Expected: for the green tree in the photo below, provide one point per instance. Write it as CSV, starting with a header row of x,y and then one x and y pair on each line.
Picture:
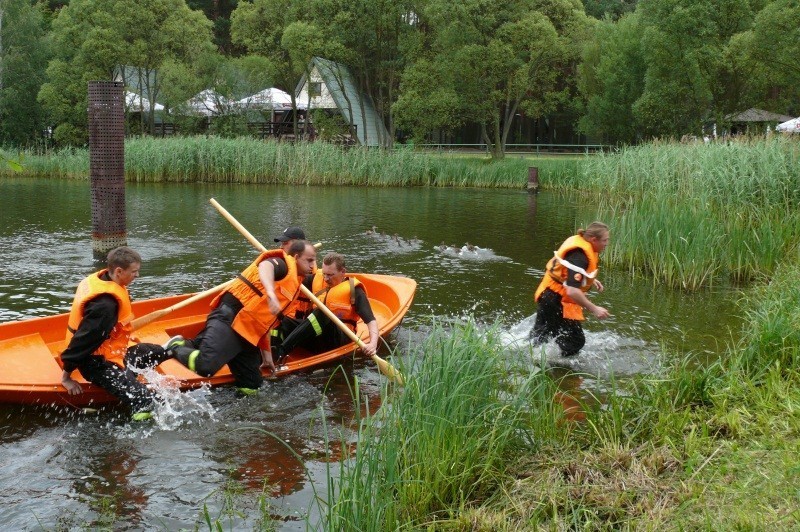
x,y
23,60
611,80
688,74
273,29
773,50
497,58
93,38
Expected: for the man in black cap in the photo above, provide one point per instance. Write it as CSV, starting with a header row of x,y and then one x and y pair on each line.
x,y
289,235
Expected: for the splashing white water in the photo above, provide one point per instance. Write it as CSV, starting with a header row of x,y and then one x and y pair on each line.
x,y
174,408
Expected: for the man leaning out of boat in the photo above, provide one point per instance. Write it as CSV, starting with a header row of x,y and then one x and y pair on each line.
x,y
345,296
237,329
99,331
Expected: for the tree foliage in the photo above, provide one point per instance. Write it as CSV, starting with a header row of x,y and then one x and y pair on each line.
x,y
23,59
486,63
93,38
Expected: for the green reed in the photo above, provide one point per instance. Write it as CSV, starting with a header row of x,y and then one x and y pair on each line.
x,y
246,160
445,440
692,215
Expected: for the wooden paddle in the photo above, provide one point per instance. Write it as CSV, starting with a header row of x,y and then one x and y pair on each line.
x,y
385,367
138,323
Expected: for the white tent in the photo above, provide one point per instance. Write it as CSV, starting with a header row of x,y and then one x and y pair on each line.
x,y
208,102
134,102
790,126
271,98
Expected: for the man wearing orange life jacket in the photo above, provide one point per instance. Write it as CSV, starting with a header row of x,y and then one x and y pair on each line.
x,y
98,333
236,330
346,297
561,296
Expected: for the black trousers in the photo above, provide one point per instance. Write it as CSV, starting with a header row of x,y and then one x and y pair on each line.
x,y
317,333
219,344
120,383
550,323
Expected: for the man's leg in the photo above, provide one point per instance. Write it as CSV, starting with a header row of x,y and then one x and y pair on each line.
x,y
141,356
570,337
305,334
548,315
119,383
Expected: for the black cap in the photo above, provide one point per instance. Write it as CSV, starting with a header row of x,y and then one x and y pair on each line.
x,y
291,233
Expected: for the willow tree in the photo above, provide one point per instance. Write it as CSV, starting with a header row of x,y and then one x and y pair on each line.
x,y
93,38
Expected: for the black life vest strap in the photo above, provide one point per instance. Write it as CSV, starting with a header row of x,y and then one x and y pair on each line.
x,y
250,285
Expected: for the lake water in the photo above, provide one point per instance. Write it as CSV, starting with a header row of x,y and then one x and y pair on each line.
x,y
65,469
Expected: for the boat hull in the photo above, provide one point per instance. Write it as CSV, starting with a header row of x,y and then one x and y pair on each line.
x,y
30,372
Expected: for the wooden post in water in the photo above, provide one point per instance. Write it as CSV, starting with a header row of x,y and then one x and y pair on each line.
x,y
107,166
533,179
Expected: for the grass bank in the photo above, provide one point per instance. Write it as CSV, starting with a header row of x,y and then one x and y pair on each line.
x,y
478,441
692,215
244,160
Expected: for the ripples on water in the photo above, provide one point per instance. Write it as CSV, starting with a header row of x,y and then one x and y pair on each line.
x,y
63,467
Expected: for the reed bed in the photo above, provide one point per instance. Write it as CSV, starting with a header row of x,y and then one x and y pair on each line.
x,y
245,160
692,215
444,442
475,441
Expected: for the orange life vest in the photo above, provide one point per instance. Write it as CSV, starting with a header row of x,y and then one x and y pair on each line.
x,y
556,275
256,319
340,299
115,346
302,306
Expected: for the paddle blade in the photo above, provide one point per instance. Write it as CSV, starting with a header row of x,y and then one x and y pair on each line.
x,y
388,370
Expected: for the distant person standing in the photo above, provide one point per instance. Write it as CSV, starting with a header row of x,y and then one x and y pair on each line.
x,y
561,296
98,333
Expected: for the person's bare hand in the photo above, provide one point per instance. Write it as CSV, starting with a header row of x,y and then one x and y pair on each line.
x,y
72,386
266,361
599,286
600,312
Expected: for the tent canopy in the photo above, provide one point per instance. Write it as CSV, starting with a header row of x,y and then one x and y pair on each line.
x,y
208,102
756,115
270,98
134,102
790,126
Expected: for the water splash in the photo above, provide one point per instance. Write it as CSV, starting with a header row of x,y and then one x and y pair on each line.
x,y
176,409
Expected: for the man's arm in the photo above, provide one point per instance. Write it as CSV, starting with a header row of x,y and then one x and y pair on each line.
x,y
575,280
364,310
269,271
99,319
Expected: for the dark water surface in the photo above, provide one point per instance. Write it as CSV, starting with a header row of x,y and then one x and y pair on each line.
x,y
64,469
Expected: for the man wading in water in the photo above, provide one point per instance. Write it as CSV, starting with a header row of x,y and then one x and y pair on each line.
x,y
561,295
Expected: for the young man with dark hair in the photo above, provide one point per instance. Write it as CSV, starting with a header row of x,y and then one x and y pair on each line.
x,y
98,333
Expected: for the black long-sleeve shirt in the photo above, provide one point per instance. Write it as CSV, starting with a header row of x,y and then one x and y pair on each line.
x,y
99,319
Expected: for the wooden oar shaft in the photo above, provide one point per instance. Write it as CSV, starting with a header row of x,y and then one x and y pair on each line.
x,y
385,368
138,323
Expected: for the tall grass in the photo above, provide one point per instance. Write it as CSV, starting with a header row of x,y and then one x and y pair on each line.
x,y
244,160
691,215
443,444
